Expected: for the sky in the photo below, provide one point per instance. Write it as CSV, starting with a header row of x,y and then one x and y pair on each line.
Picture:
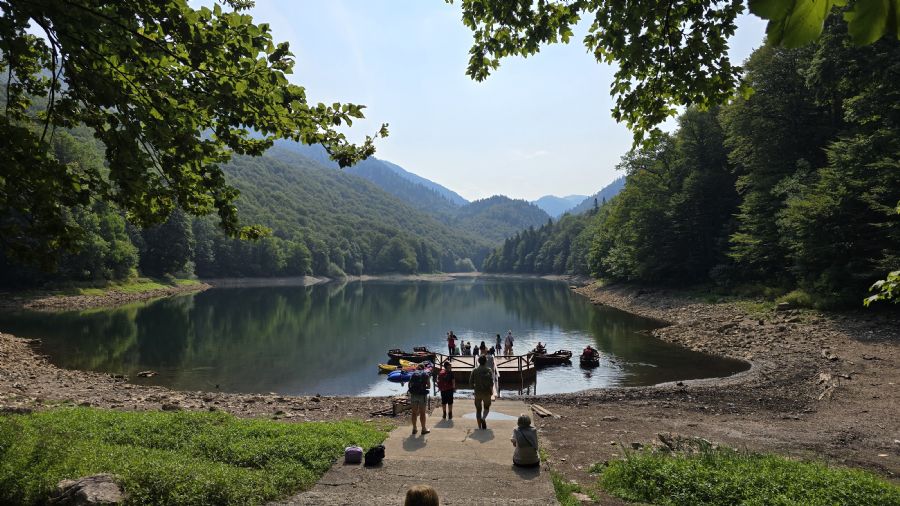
x,y
536,126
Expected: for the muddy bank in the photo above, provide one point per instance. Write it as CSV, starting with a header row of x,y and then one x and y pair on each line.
x,y
821,386
110,298
28,380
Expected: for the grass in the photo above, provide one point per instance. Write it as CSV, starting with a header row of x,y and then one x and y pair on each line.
x,y
171,458
725,477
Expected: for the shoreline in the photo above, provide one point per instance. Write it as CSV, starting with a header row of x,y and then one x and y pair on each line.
x,y
820,385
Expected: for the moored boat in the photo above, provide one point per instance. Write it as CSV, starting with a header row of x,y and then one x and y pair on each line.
x,y
555,358
592,360
420,354
404,364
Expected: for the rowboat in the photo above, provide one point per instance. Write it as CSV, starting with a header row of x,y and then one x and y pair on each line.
x,y
555,358
420,354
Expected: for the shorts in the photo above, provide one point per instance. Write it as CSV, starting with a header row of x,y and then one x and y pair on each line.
x,y
418,400
447,397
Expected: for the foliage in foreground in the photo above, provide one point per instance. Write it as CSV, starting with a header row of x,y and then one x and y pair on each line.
x,y
170,458
726,477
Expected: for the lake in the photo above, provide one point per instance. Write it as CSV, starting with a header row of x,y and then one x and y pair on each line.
x,y
329,338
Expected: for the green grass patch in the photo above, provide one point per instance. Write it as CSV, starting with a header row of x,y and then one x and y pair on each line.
x,y
171,458
564,490
726,477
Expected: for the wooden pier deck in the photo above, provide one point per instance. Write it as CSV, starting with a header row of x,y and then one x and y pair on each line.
x,y
511,369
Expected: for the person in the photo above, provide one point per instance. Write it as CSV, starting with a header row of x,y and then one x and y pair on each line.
x,y
421,495
482,380
446,384
508,348
451,342
540,349
524,439
419,384
497,346
468,347
483,348
493,367
475,351
589,352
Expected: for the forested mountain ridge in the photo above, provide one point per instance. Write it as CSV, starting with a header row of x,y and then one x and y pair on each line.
x,y
606,193
498,217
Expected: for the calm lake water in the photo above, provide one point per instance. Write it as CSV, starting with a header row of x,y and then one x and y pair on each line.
x,y
329,338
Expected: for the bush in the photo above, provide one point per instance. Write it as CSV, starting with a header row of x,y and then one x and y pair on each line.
x,y
726,477
170,458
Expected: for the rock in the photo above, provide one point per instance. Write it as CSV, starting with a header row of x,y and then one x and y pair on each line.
x,y
95,489
828,355
584,498
610,418
636,446
784,306
171,407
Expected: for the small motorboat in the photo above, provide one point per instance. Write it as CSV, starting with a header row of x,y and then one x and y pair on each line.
x,y
419,354
541,359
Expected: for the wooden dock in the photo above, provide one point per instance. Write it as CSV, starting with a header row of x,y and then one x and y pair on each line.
x,y
511,369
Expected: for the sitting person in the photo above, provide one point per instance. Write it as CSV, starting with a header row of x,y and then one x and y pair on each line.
x,y
589,352
524,439
540,348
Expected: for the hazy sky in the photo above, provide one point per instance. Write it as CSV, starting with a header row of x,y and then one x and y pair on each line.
x,y
537,126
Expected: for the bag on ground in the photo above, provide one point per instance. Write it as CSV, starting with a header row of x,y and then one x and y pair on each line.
x,y
353,455
375,455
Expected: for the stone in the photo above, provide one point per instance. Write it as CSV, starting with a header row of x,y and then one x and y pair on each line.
x,y
610,418
636,446
146,374
171,407
784,306
95,489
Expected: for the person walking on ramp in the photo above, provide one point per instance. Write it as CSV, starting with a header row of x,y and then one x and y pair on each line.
x,y
447,385
482,380
419,383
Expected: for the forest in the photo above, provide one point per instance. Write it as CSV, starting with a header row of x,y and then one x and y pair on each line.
x,y
793,187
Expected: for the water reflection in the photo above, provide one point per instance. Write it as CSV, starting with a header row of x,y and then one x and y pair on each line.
x,y
328,339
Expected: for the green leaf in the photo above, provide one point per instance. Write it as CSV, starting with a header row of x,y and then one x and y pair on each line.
x,y
802,24
770,9
867,20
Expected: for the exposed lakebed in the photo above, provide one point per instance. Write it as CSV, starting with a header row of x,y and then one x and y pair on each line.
x,y
329,338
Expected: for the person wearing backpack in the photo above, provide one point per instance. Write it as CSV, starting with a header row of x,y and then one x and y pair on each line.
x,y
419,383
446,383
482,380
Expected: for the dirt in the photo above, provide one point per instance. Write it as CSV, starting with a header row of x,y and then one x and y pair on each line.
x,y
821,386
111,298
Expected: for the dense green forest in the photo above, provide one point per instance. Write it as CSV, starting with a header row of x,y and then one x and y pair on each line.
x,y
323,221
794,187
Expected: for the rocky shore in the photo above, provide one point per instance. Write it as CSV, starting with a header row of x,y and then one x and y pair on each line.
x,y
821,386
110,298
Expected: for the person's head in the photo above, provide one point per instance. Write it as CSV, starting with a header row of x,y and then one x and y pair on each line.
x,y
524,421
482,344
420,367
421,495
447,365
498,336
482,360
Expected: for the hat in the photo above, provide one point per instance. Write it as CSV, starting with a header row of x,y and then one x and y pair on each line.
x,y
524,420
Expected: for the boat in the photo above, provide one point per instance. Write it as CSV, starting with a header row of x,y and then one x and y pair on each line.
x,y
404,364
555,358
419,354
590,360
402,376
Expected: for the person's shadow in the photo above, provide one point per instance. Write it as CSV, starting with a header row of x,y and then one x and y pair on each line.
x,y
482,436
444,424
413,443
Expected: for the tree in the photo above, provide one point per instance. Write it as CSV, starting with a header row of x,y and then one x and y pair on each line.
x,y
669,53
170,91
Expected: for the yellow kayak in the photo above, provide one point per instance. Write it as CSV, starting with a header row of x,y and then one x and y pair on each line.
x,y
404,364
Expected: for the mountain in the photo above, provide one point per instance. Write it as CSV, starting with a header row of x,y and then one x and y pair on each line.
x,y
609,191
390,177
555,206
498,217
354,224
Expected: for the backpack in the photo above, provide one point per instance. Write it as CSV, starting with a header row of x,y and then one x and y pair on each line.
x,y
418,382
483,379
374,456
353,455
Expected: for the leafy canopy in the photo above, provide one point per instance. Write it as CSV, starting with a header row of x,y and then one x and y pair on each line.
x,y
170,91
669,53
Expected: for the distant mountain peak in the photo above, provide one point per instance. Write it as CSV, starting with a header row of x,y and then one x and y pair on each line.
x,y
557,206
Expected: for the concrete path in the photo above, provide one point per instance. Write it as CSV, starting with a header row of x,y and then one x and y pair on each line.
x,y
464,464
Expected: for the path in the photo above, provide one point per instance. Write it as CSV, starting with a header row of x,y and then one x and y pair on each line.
x,y
465,465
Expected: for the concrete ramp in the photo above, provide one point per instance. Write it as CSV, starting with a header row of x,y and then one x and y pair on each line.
x,y
466,465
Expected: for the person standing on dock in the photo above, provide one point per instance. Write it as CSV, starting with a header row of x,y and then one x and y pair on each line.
x,y
419,383
497,347
482,380
446,384
508,345
451,343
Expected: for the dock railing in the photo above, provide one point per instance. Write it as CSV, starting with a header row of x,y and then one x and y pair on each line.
x,y
521,364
